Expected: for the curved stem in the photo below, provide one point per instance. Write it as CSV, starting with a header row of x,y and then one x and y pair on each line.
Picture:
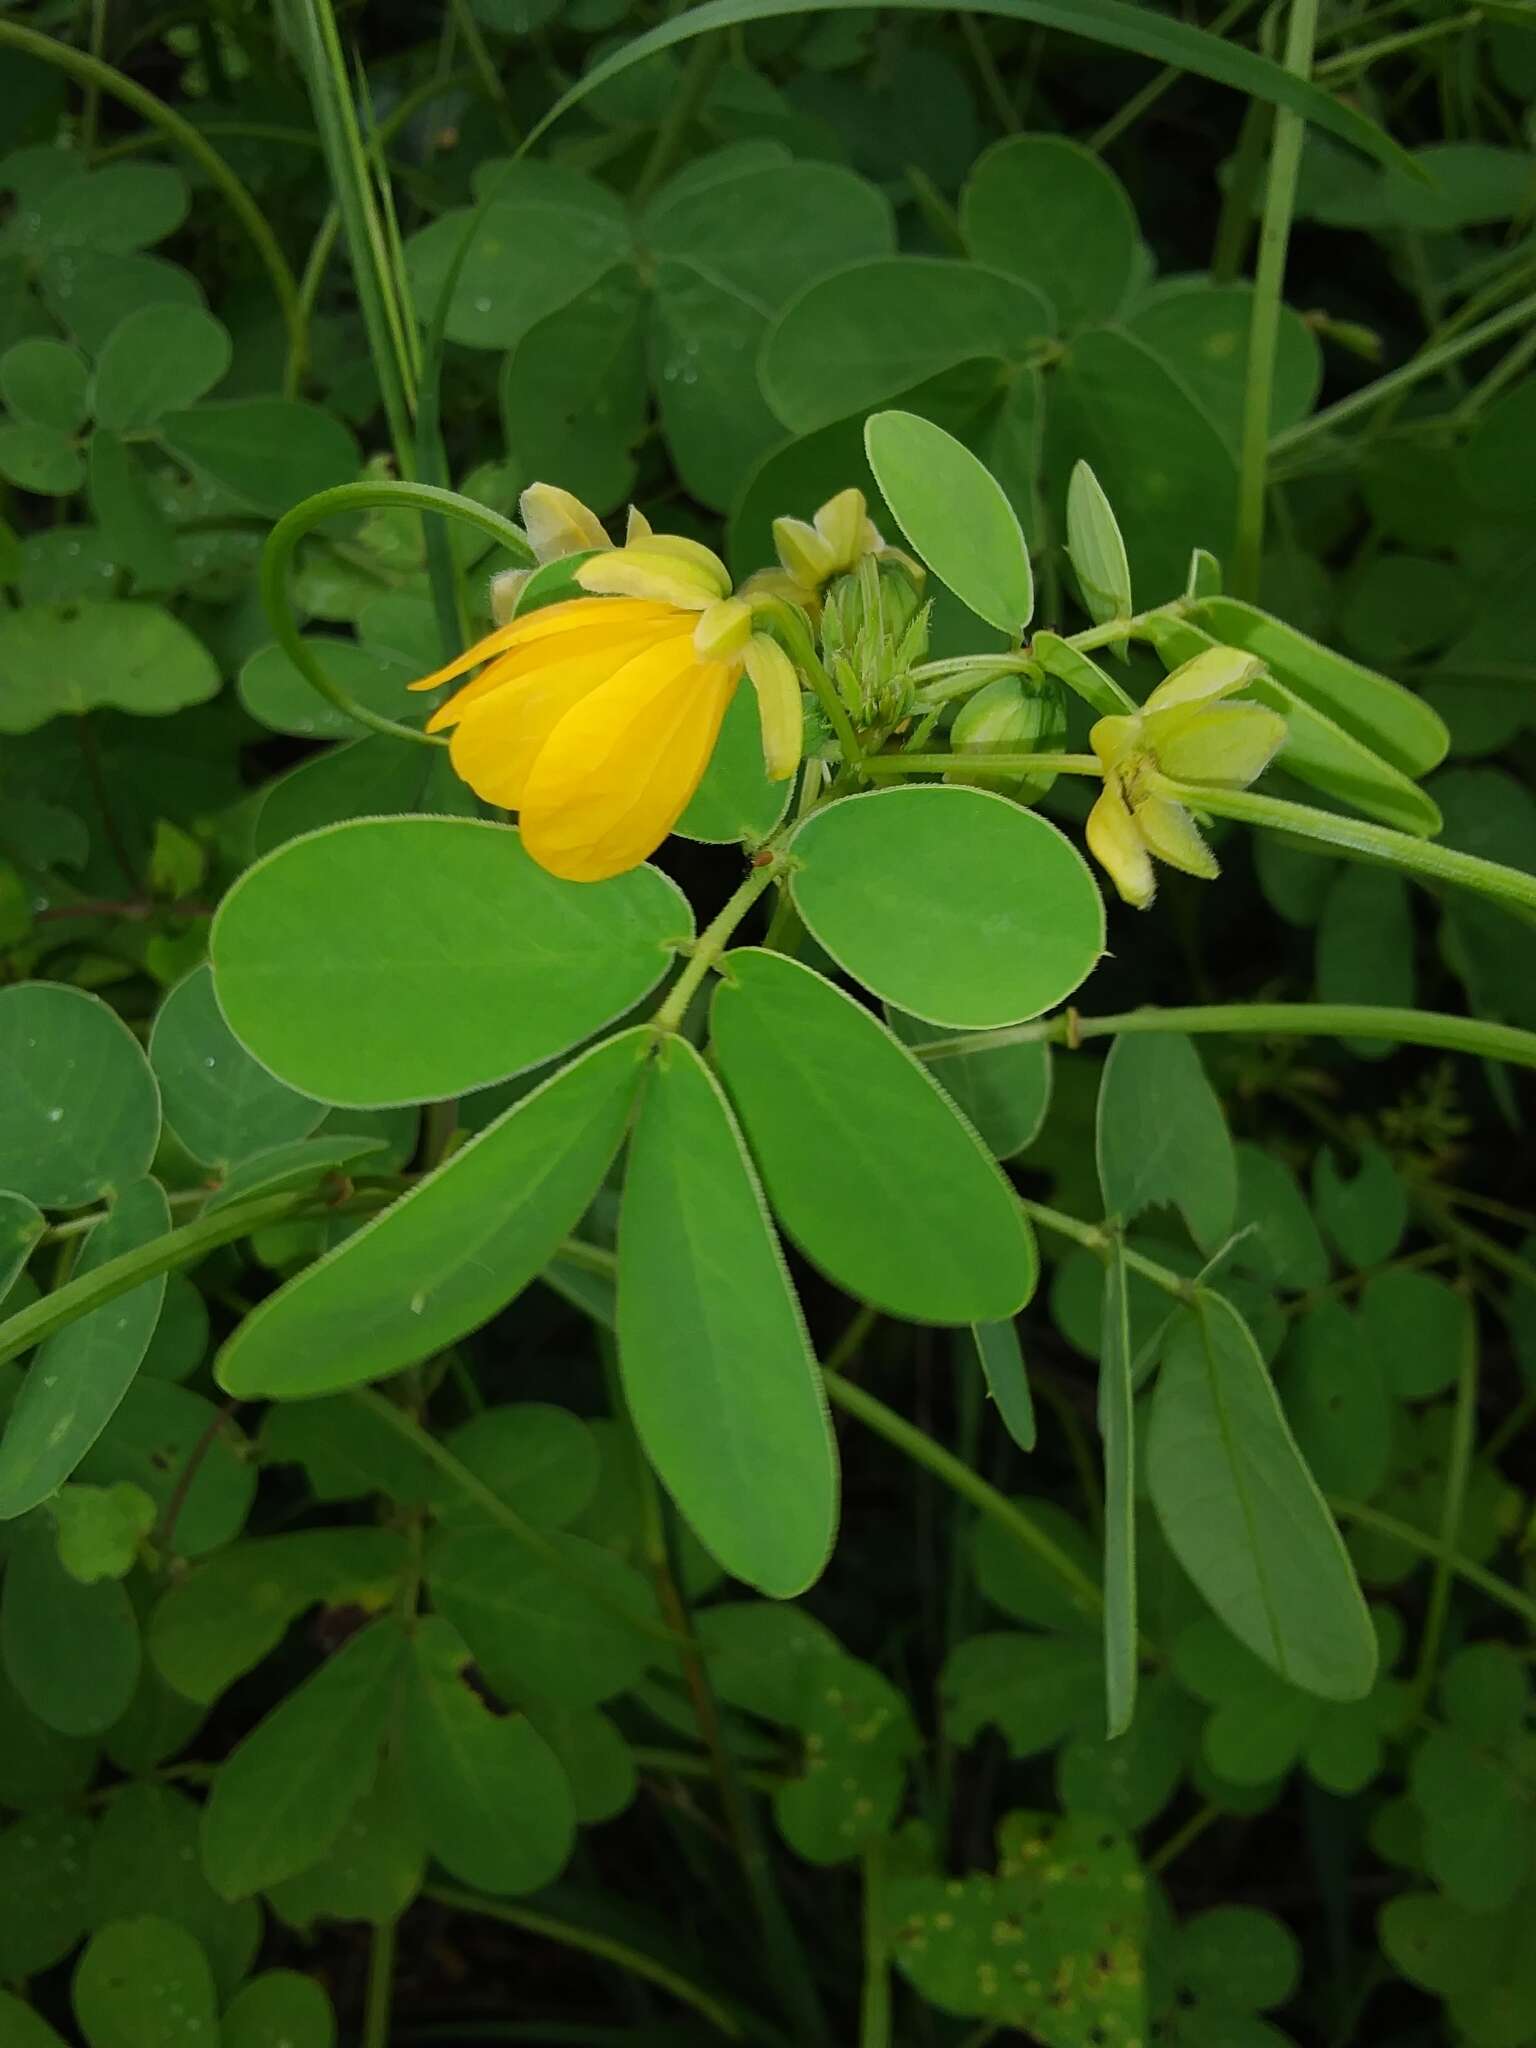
x,y
113,1277
917,1445
1422,858
1431,1546
491,1504
292,528
1267,1020
99,77
605,1948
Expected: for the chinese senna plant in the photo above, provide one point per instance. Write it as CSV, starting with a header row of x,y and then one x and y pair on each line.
x,y
456,1037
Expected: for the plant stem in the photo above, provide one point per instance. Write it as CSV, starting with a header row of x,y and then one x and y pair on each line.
x,y
1266,1020
887,765
492,1505
1095,1239
698,76
1264,325
381,1985
875,2008
1458,1466
1424,859
1143,101
106,1282
362,497
1183,1838
1428,363
710,2008
1365,54
712,942
917,1445
91,72
1431,1546
992,85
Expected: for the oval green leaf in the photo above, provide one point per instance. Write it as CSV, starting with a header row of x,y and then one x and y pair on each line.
x,y
952,903
454,1250
220,1102
717,1367
956,515
869,1167
71,1651
158,358
80,1112
83,1371
1243,1515
278,2009
145,1983
736,803
391,960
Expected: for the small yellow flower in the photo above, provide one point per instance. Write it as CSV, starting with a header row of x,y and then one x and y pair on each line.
x,y
595,718
812,551
1185,731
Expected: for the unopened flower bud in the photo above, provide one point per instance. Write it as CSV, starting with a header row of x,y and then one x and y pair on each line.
x,y
1012,715
779,708
806,555
558,524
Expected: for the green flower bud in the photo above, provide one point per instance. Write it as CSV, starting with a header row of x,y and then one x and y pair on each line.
x,y
1013,715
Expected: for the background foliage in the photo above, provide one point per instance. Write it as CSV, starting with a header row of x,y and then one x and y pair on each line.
x,y
416,1714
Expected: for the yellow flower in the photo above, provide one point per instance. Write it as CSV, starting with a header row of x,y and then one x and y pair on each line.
x,y
595,718
1183,731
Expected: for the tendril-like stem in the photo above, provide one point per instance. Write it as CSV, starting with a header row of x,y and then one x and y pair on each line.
x,y
363,497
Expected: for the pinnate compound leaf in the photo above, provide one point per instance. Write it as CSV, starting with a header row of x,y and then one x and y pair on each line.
x,y
285,1793
454,1250
962,908
717,1366
836,1113
1242,1513
392,960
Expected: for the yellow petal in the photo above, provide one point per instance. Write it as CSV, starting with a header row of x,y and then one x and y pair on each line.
x,y
1229,745
501,737
778,706
807,555
617,636
619,769
567,617
723,631
558,524
1116,845
843,523
1174,837
1214,672
654,568
1113,739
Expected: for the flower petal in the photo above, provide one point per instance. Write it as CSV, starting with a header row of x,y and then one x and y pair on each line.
x,y
1173,836
1116,845
502,734
565,617
617,639
618,770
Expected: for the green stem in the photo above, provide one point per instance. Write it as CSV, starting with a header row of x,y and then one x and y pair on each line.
x,y
606,1949
1428,363
711,943
106,1282
698,76
1183,1838
1458,1466
887,765
312,512
496,1509
381,1985
875,2007
991,79
1095,1239
1264,326
1433,1546
1268,1020
1142,102
1424,859
103,78
487,75
917,1445
1347,62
